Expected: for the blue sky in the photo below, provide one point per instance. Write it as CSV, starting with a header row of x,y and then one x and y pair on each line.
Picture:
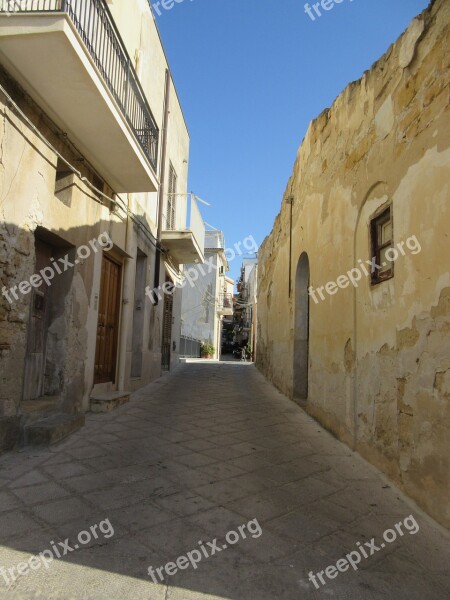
x,y
251,75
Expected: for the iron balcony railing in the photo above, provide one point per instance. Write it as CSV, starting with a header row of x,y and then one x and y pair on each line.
x,y
93,21
226,300
214,240
190,347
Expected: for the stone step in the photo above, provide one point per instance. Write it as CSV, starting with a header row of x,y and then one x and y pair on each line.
x,y
53,429
9,433
42,405
103,403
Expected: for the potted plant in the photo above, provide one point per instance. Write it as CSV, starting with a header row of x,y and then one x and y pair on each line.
x,y
208,350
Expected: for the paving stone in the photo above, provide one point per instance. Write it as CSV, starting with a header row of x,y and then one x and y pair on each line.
x,y
309,489
31,478
198,445
176,436
98,528
91,482
251,462
141,516
231,489
8,501
118,496
90,451
220,471
57,459
66,470
158,487
195,459
266,505
189,479
302,525
172,539
192,458
16,524
62,510
169,450
40,493
228,452
29,541
184,503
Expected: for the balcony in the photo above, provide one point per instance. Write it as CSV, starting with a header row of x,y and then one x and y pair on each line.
x,y
225,307
184,241
69,57
214,240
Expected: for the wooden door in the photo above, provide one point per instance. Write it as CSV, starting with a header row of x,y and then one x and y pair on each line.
x,y
108,322
37,329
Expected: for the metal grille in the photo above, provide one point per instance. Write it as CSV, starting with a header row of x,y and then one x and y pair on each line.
x,y
226,300
190,347
95,24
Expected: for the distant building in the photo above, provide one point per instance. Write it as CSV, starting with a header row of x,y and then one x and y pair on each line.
x,y
228,318
245,305
206,298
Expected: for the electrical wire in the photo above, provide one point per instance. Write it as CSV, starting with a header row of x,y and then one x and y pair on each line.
x,y
205,296
123,205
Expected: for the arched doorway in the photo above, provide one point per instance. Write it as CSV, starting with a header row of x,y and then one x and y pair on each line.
x,y
301,329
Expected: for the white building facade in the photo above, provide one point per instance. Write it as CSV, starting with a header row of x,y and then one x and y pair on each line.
x,y
95,166
207,298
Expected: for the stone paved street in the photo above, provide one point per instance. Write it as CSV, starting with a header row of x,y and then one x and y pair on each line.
x,y
192,456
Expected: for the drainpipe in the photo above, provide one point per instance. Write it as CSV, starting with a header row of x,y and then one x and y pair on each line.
x,y
290,201
126,317
156,282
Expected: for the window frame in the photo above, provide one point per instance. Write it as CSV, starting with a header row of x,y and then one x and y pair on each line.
x,y
376,248
171,216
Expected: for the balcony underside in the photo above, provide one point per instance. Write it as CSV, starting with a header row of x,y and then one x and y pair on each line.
x,y
45,54
225,312
183,247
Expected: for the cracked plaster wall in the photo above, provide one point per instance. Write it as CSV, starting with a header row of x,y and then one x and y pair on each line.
x,y
379,356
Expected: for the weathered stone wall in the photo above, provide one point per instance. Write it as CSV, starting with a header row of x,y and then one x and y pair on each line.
x,y
29,202
35,203
379,356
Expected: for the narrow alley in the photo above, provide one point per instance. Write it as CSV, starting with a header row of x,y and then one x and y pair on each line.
x,y
192,457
